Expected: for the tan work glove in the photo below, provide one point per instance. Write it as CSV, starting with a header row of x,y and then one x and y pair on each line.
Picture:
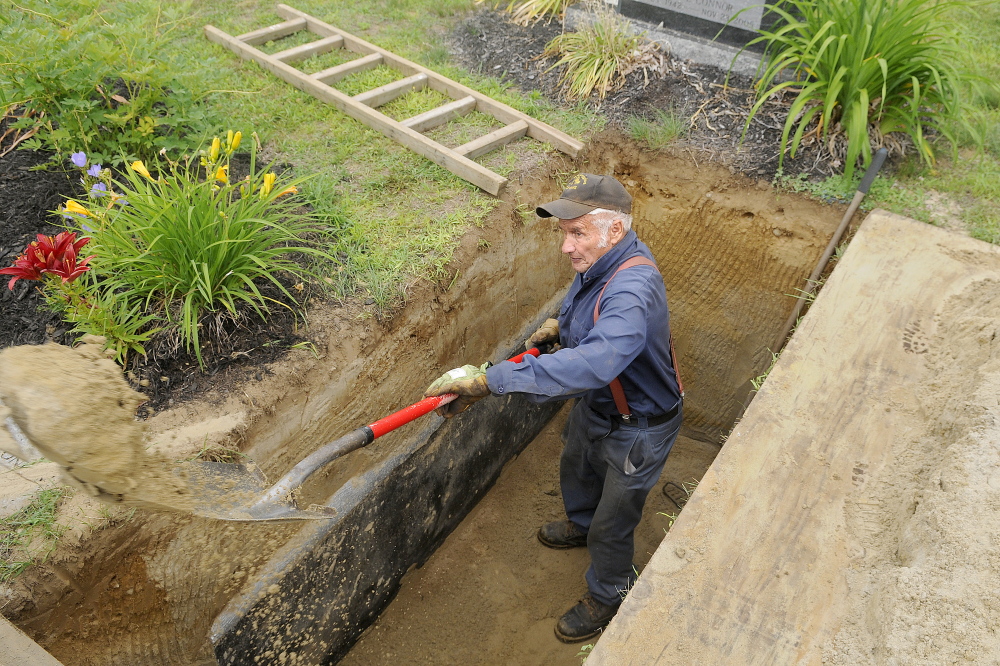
x,y
547,333
469,382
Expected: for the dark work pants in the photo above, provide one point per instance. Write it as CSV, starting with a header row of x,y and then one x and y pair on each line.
x,y
606,473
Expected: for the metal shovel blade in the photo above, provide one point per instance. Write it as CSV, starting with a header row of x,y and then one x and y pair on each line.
x,y
235,492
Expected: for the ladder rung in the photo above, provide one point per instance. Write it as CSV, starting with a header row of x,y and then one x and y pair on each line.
x,y
271,32
305,51
376,97
334,74
485,144
441,114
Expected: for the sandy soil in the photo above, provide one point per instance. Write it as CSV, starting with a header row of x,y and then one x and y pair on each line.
x,y
75,406
928,591
492,593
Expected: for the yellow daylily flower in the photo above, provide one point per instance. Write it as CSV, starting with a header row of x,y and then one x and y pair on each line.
x,y
74,207
141,169
235,143
213,154
291,189
265,189
221,174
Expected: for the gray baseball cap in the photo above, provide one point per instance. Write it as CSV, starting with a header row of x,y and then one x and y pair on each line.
x,y
584,193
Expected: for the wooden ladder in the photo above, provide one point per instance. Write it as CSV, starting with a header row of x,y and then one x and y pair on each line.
x,y
363,106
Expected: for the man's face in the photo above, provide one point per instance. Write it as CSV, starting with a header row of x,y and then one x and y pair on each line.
x,y
582,240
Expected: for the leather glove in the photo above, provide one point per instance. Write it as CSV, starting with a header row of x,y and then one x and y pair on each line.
x,y
547,333
469,382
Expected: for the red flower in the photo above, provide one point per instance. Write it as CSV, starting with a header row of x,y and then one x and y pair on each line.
x,y
57,256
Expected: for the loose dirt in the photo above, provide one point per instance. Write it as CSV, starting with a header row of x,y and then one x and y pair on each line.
x,y
927,592
90,430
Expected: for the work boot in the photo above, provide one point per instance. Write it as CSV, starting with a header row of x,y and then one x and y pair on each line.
x,y
585,620
562,534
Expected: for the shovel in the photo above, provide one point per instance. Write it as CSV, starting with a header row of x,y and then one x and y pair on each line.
x,y
239,492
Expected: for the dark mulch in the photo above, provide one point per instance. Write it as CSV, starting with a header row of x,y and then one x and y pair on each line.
x,y
489,43
26,196
239,347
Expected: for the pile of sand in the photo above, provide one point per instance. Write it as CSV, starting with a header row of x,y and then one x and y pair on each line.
x,y
76,408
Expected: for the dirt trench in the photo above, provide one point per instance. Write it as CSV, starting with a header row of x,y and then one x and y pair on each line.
x,y
730,250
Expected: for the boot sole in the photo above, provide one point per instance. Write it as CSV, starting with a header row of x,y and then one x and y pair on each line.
x,y
559,545
578,639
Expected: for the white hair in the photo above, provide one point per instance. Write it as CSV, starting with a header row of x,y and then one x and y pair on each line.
x,y
602,219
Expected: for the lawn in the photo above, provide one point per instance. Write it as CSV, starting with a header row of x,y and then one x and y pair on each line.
x,y
394,217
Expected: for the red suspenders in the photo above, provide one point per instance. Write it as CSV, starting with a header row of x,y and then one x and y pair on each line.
x,y
616,386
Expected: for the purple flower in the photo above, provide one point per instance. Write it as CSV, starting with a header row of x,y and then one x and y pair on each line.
x,y
98,190
94,171
79,159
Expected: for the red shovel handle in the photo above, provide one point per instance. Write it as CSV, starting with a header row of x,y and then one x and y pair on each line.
x,y
418,409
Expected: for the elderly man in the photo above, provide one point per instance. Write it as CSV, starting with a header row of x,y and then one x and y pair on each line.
x,y
614,354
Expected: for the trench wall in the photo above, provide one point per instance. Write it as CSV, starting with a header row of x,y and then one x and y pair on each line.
x,y
732,252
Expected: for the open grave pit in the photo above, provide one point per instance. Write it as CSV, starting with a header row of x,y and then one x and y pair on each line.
x,y
147,591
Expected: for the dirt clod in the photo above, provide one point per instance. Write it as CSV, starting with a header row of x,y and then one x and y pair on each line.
x,y
77,409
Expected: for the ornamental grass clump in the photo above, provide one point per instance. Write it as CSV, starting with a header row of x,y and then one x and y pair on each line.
x,y
527,12
600,55
863,69
190,245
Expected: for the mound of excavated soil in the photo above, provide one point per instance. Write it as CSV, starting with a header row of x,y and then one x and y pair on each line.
x,y
76,408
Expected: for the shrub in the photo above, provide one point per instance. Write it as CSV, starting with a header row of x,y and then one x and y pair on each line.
x,y
91,80
184,247
600,55
886,65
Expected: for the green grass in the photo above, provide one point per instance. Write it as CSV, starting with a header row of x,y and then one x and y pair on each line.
x,y
395,218
662,130
28,536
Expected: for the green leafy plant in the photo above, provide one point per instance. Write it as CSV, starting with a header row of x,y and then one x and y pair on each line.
x,y
759,380
29,535
119,318
600,55
188,244
861,66
663,129
89,78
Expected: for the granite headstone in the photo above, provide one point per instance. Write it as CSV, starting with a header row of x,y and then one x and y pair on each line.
x,y
732,22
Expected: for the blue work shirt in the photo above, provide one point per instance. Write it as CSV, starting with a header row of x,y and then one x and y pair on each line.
x,y
631,341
